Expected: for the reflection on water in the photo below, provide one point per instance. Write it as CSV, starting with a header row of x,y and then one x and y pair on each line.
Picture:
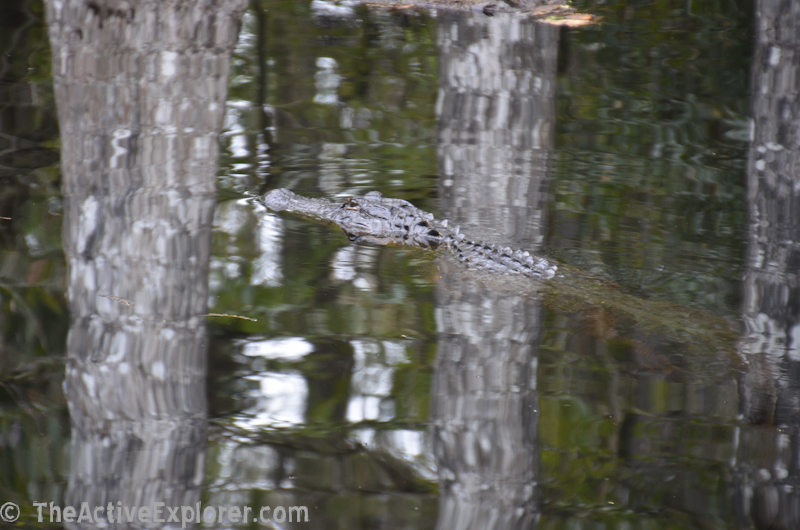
x,y
771,343
654,385
484,407
138,180
496,120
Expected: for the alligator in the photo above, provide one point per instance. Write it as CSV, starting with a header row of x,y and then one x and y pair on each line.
x,y
377,219
380,220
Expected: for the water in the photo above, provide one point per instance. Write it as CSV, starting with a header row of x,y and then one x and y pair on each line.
x,y
653,386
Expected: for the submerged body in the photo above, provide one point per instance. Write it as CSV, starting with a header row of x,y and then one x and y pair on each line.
x,y
377,219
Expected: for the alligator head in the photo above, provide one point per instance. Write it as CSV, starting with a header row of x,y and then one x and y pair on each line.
x,y
380,220
373,217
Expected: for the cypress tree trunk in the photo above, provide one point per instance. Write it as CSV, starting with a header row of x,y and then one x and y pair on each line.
x,y
766,469
140,89
496,115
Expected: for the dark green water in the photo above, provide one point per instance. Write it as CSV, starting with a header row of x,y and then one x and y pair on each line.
x,y
384,387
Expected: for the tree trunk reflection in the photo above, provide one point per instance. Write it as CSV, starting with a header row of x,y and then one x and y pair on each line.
x,y
141,90
770,396
496,118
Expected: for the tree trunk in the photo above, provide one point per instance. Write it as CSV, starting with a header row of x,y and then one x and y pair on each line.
x,y
140,89
496,115
766,470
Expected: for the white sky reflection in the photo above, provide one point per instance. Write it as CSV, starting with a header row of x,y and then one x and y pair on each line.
x,y
288,349
280,401
267,267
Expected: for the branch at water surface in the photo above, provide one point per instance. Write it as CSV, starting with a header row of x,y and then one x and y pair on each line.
x,y
556,12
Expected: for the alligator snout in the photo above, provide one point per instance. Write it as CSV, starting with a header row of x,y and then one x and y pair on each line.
x,y
278,200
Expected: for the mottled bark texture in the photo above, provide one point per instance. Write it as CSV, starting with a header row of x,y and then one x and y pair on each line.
x,y
484,404
768,468
496,115
141,90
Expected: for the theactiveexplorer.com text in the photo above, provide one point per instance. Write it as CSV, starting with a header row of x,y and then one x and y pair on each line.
x,y
161,513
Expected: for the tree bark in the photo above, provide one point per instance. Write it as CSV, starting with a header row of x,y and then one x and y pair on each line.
x,y
496,115
484,404
140,89
766,470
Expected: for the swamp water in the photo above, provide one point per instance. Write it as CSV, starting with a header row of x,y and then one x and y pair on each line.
x,y
651,154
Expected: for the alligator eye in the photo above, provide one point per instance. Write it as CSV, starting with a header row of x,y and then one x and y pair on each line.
x,y
351,204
